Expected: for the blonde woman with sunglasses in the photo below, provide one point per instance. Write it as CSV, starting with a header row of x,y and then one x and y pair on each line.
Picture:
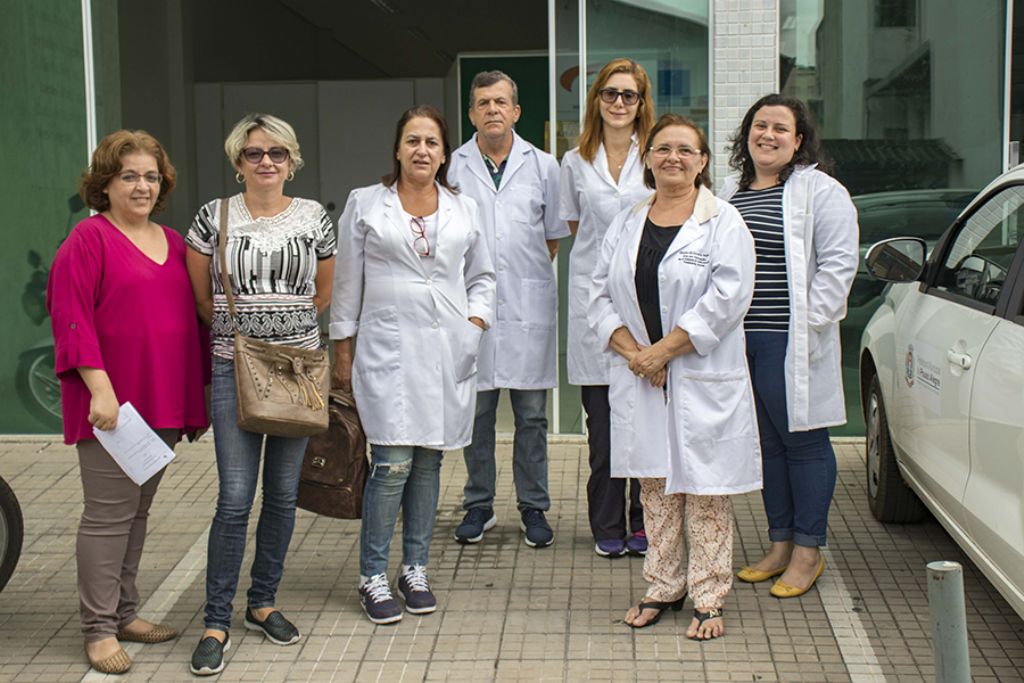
x,y
600,178
280,257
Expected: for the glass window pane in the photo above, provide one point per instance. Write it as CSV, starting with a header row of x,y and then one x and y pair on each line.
x,y
669,38
44,136
909,101
980,256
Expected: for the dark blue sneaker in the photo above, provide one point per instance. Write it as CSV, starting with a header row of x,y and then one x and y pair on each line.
x,y
414,587
208,657
637,543
612,547
535,526
474,524
378,603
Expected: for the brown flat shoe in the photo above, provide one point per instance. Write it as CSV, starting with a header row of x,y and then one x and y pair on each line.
x,y
157,634
117,663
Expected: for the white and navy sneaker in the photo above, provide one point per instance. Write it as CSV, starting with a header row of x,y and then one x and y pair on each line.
x,y
378,603
414,588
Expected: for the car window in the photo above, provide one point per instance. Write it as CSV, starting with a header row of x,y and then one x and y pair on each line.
x,y
983,249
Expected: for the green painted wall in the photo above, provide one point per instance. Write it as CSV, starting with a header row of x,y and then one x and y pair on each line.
x,y
43,134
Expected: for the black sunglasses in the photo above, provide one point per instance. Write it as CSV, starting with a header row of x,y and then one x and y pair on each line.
x,y
609,95
254,155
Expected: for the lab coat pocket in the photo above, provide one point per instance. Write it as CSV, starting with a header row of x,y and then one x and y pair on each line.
x,y
538,297
378,343
715,406
818,344
465,349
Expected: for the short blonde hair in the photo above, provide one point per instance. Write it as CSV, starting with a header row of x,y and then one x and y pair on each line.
x,y
278,129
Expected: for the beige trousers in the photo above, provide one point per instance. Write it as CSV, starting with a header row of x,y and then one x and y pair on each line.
x,y
708,533
110,539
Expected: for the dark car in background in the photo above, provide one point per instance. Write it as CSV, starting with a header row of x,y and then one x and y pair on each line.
x,y
917,213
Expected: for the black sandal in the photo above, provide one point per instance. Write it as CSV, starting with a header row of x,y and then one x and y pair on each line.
x,y
701,617
676,606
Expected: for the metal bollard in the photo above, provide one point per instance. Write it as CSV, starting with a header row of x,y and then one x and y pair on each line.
x,y
949,622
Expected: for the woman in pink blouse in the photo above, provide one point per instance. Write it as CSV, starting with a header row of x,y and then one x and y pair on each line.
x,y
125,330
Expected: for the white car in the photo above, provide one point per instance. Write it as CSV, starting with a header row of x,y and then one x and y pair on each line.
x,y
942,383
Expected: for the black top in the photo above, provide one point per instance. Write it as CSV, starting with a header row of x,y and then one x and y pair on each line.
x,y
762,212
653,245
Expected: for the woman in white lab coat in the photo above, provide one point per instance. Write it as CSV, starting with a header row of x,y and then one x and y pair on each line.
x,y
805,230
600,178
670,290
415,290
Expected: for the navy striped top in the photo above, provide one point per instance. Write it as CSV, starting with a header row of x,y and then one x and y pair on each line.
x,y
762,212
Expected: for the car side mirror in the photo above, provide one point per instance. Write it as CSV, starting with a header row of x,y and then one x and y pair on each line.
x,y
900,259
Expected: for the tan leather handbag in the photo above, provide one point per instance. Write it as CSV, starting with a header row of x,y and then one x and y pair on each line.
x,y
282,390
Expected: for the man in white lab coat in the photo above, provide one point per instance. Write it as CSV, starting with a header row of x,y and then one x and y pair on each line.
x,y
516,186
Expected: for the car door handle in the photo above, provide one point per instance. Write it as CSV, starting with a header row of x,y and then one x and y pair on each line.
x,y
961,360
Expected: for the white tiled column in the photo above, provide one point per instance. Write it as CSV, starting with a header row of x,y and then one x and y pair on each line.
x,y
745,66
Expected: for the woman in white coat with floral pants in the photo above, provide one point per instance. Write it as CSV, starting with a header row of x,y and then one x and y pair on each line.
x,y
415,286
805,231
670,290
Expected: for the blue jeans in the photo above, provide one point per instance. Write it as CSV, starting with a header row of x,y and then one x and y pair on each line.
x,y
238,466
799,467
406,477
529,450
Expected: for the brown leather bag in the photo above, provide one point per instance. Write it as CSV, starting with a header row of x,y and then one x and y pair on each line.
x,y
335,467
280,389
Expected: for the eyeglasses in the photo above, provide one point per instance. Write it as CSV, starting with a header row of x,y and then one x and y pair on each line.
x,y
609,95
419,242
254,155
664,151
131,178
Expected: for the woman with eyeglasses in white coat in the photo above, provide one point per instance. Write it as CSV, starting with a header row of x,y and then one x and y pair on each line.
x,y
670,290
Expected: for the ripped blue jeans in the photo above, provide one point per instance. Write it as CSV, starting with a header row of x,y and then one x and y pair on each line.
x,y
406,478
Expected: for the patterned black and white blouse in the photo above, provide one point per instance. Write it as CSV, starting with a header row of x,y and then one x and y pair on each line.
x,y
272,264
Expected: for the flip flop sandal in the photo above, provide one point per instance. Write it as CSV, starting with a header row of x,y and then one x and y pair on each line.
x,y
676,606
701,617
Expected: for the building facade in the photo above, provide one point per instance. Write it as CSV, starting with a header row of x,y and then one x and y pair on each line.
x,y
919,103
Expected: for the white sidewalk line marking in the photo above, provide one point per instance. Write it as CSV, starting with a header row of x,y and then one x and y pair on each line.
x,y
164,598
854,646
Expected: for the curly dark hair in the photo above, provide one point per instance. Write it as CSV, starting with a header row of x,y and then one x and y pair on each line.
x,y
810,151
106,163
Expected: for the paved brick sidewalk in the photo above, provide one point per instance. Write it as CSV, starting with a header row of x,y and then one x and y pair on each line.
x,y
507,612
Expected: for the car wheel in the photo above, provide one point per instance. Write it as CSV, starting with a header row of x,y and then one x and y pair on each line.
x,y
891,500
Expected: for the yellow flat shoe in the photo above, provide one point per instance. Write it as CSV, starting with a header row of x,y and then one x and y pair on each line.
x,y
751,575
781,589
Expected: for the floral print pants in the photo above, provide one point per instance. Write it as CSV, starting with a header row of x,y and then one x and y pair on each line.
x,y
708,522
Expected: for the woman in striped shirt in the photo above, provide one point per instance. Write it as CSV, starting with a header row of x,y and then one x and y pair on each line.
x,y
805,235
280,263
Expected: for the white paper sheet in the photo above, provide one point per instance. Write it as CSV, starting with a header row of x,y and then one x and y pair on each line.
x,y
139,451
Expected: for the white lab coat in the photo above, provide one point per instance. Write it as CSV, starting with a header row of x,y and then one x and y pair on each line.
x,y
590,196
700,432
518,218
414,371
821,239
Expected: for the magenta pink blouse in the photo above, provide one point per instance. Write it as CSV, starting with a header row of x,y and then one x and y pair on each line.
x,y
114,308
